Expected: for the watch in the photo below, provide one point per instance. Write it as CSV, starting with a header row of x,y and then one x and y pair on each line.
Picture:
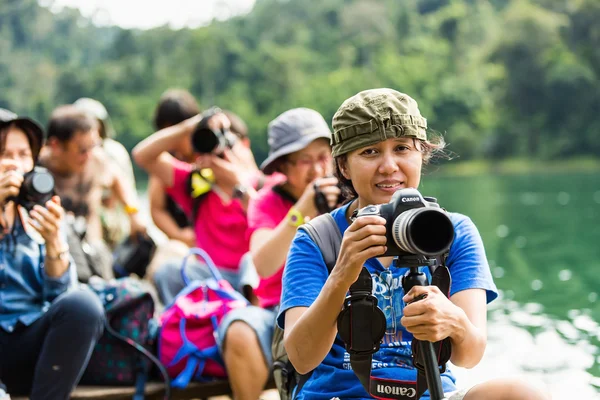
x,y
294,217
62,255
239,192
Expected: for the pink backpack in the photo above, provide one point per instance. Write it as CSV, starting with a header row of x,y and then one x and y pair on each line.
x,y
187,343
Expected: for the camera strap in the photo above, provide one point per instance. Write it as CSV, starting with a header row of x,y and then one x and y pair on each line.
x,y
361,324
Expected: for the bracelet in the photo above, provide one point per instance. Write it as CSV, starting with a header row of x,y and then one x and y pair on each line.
x,y
130,210
294,217
62,255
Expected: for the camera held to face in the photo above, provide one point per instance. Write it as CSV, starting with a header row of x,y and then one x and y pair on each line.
x,y
206,140
37,188
414,224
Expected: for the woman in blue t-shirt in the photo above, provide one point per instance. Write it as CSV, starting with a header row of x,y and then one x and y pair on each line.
x,y
380,145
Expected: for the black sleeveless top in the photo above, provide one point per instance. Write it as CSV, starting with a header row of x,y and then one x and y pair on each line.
x,y
180,217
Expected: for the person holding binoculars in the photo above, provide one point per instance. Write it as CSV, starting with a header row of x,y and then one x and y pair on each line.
x,y
48,329
380,145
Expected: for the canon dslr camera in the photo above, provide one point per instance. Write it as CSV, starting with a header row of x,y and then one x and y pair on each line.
x,y
415,224
37,188
208,141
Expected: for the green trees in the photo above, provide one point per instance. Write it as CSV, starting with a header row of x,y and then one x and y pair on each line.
x,y
499,79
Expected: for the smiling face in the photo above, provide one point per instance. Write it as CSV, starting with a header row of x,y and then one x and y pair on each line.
x,y
378,170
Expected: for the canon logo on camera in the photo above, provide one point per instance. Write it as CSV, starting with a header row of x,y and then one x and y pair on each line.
x,y
410,199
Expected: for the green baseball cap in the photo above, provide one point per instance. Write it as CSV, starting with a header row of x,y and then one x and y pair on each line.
x,y
373,116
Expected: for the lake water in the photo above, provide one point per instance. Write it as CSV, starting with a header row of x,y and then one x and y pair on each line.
x,y
542,238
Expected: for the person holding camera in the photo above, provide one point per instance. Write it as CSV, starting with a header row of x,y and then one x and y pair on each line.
x,y
174,106
380,145
48,328
214,192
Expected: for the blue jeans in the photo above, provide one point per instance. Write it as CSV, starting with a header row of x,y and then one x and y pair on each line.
x,y
46,359
169,282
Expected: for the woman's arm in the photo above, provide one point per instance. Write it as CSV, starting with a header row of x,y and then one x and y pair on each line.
x,y
152,153
269,247
310,332
470,338
462,318
47,221
158,209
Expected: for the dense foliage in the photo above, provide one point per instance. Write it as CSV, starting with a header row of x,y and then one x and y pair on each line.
x,y
498,78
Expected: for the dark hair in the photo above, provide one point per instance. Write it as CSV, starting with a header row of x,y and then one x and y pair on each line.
x,y
431,148
238,126
66,121
174,106
32,138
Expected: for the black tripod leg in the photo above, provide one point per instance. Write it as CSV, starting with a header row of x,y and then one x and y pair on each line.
x,y
414,277
432,372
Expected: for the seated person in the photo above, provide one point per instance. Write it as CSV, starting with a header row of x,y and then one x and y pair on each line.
x,y
81,172
299,150
175,106
115,224
48,327
219,213
380,145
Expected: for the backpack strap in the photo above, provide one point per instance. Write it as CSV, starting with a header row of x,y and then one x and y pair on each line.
x,y
198,188
324,231
142,373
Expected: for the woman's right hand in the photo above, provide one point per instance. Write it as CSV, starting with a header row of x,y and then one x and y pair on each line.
x,y
10,185
364,239
306,204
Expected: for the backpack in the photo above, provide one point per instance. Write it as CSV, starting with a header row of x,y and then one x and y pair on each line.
x,y
123,355
187,340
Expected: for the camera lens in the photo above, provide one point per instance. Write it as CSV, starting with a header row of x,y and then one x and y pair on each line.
x,y
425,230
205,140
42,183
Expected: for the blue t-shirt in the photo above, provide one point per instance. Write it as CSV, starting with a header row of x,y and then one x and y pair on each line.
x,y
305,275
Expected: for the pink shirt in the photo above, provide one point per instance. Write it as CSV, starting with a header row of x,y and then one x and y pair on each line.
x,y
220,228
267,210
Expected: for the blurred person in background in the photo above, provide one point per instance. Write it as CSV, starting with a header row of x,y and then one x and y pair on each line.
x,y
81,172
113,217
227,182
174,106
48,328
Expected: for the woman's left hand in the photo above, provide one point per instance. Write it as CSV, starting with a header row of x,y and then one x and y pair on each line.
x,y
432,318
47,221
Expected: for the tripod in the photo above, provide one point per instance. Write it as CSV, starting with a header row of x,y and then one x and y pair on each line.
x,y
415,277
